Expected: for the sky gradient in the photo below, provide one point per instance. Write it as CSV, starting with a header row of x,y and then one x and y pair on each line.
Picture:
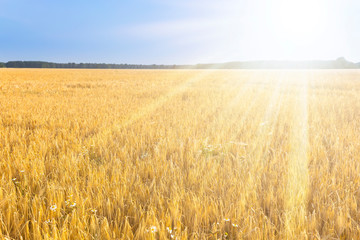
x,y
178,31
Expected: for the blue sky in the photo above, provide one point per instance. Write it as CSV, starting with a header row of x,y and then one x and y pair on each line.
x,y
178,31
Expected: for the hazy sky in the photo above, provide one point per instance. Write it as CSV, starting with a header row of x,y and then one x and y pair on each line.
x,y
178,31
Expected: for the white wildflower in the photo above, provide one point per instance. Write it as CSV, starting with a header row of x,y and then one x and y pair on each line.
x,y
263,123
53,208
153,229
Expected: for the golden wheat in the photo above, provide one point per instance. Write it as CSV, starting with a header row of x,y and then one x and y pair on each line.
x,y
179,154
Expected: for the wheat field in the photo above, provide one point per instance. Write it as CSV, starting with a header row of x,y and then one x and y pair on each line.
x,y
179,154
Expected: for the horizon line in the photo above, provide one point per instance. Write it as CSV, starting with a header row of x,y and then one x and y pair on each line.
x,y
188,64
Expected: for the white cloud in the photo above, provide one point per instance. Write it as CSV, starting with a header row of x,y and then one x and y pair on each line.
x,y
185,28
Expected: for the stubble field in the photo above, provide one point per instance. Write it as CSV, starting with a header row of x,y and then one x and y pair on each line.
x,y
179,154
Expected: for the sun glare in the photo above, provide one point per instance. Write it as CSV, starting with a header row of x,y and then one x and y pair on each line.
x,y
300,21
286,30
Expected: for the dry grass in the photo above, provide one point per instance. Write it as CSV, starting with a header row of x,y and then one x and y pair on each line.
x,y
179,154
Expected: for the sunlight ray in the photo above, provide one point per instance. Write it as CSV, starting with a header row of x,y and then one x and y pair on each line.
x,y
298,176
157,103
266,127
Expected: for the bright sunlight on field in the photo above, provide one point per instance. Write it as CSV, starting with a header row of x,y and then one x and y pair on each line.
x,y
179,154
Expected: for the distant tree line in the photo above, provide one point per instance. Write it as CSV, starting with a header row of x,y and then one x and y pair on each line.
x,y
340,63
40,64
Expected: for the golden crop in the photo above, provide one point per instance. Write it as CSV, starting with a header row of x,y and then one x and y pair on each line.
x,y
179,154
